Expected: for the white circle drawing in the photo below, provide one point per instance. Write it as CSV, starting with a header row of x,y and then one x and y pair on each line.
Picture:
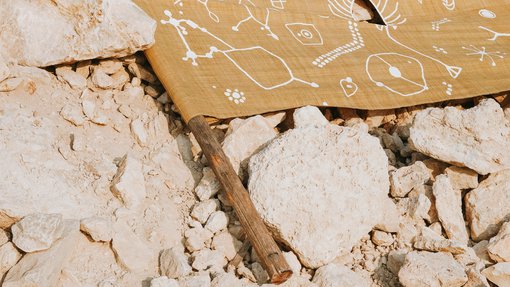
x,y
405,75
306,34
235,96
348,87
487,14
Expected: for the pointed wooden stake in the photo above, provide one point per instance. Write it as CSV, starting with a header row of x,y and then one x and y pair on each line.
x,y
268,252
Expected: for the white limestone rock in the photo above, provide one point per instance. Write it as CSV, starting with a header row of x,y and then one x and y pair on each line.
x,y
429,240
129,182
333,275
320,189
75,80
43,268
380,238
99,228
244,138
9,256
197,238
4,70
499,245
177,174
131,251
226,244
488,206
229,279
202,210
164,281
139,132
475,278
195,281
396,259
217,222
208,186
476,138
449,209
36,232
173,263
498,274
208,259
425,269
293,262
96,29
462,178
4,237
404,179
309,116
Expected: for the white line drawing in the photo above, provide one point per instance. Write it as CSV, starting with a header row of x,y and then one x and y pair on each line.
x,y
439,50
496,34
356,44
487,14
264,26
212,15
341,8
449,4
349,87
436,25
449,88
229,52
392,18
402,71
482,52
306,34
235,96
278,4
454,71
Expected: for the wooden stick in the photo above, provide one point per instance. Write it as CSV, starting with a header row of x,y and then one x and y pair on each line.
x,y
268,252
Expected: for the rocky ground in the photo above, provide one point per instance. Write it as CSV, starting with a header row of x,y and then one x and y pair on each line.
x,y
102,183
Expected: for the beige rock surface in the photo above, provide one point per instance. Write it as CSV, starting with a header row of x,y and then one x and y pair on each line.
x,y
499,245
488,206
498,274
476,138
425,269
449,209
36,232
333,275
9,256
173,263
131,251
99,228
319,214
129,182
403,180
462,178
96,29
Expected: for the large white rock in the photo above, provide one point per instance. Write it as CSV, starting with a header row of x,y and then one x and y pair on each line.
x,y
449,209
129,183
404,179
131,251
476,138
333,275
498,274
174,263
320,189
499,245
426,269
43,268
9,255
37,232
99,228
43,32
488,206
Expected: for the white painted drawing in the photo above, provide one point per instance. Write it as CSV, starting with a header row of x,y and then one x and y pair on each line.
x,y
454,71
278,4
487,14
400,74
236,55
484,54
449,88
341,8
264,24
496,35
440,50
436,25
306,34
349,87
356,44
235,96
212,15
449,4
390,16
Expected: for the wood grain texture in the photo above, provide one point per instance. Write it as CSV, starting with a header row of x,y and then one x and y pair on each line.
x,y
267,250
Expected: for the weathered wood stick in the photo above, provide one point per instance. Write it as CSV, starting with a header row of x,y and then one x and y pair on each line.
x,y
268,252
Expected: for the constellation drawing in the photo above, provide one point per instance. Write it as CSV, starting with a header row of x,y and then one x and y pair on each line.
x,y
487,14
436,25
449,88
440,50
391,18
496,35
278,4
449,4
454,71
341,8
349,87
235,96
212,15
230,52
264,26
356,44
401,75
484,54
306,34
